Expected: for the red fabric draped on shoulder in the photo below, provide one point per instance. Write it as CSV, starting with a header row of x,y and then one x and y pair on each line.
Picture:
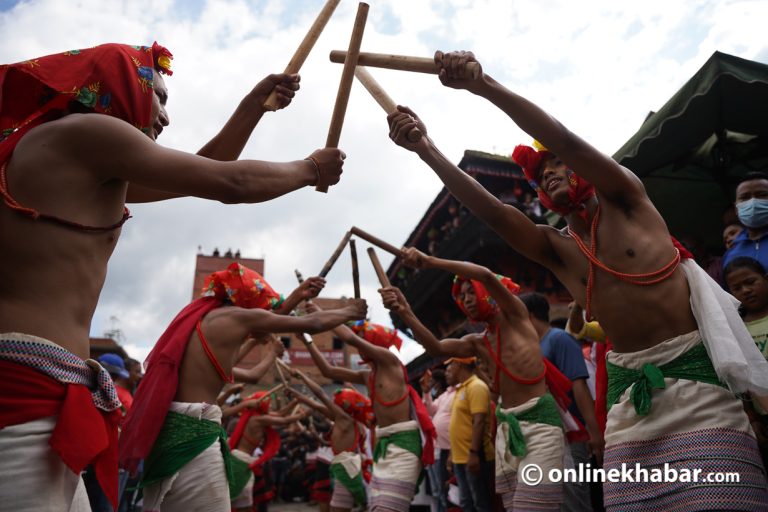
x,y
271,444
237,285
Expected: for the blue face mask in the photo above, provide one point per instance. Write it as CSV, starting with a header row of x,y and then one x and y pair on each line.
x,y
753,213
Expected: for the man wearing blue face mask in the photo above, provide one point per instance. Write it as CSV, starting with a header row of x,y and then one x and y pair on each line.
x,y
752,209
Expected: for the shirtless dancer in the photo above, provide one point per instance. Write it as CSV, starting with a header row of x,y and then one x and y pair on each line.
x,y
615,241
530,429
351,414
398,456
255,430
66,173
174,422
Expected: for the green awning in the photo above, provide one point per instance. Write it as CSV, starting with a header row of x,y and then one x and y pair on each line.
x,y
692,152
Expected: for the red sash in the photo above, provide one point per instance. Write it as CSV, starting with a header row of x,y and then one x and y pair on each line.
x,y
83,434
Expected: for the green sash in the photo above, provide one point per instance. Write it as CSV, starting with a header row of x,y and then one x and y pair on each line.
x,y
354,485
409,440
692,365
545,411
241,472
181,439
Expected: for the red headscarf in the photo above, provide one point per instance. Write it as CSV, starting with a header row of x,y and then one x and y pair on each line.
x,y
531,160
242,287
486,305
271,444
355,404
161,380
112,79
377,334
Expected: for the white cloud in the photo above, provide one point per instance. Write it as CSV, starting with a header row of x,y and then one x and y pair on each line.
x,y
598,66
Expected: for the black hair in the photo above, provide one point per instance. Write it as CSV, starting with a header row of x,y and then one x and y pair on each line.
x,y
753,175
438,376
744,262
559,322
537,305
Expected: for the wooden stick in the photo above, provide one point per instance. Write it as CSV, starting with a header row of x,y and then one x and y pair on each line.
x,y
378,242
280,362
270,392
299,276
335,256
400,62
355,270
302,52
280,372
302,428
382,98
345,84
383,279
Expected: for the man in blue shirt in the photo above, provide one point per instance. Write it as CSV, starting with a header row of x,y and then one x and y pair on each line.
x,y
752,209
564,352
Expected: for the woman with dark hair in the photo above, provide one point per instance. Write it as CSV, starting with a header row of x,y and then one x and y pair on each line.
x,y
748,282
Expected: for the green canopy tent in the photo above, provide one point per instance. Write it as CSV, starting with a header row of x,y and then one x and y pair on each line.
x,y
692,152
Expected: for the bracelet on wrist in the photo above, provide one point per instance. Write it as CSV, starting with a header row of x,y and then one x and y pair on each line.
x,y
317,168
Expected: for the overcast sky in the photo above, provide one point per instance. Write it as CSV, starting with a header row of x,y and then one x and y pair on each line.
x,y
598,66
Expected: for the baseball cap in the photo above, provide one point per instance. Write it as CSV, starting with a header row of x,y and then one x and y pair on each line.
x,y
114,364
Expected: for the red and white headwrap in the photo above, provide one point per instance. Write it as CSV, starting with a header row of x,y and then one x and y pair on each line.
x,y
531,159
377,334
242,287
486,305
111,79
355,404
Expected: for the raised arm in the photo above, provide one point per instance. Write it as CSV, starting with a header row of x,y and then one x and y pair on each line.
x,y
257,372
230,141
333,372
287,408
242,322
119,151
334,410
507,301
307,290
231,390
378,355
612,181
395,301
282,420
510,223
321,408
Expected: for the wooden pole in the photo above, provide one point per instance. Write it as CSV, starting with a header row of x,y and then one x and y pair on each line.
x,y
383,279
302,52
400,62
382,98
345,84
280,372
355,270
270,392
378,242
335,256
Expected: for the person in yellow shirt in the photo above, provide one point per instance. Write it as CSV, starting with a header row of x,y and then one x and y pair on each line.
x,y
471,448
